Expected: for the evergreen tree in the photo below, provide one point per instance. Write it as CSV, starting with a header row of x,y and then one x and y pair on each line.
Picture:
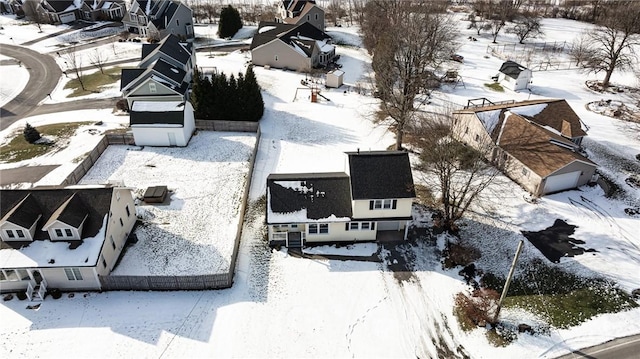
x,y
30,133
232,99
230,22
252,96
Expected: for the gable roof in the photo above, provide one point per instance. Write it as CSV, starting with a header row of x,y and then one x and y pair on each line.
x,y
380,175
129,75
299,9
24,212
64,5
149,113
170,46
512,69
288,33
72,212
96,200
167,15
169,71
304,197
536,147
556,114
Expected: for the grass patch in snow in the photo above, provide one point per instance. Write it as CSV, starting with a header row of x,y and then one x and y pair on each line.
x,y
18,149
92,82
495,87
562,298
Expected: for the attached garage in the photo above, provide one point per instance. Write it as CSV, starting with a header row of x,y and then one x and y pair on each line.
x,y
561,182
67,18
389,226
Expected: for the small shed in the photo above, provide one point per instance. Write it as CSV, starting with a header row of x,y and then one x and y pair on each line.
x,y
334,78
514,76
162,123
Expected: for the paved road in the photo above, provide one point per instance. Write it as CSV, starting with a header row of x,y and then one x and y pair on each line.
x,y
44,75
621,348
31,174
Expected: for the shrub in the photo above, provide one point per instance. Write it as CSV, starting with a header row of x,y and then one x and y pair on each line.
x,y
476,310
21,295
459,254
122,105
30,133
230,22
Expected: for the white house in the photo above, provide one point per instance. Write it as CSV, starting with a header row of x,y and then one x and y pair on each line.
x,y
62,238
169,123
371,202
514,76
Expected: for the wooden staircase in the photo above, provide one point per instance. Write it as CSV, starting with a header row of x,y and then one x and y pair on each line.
x,y
36,292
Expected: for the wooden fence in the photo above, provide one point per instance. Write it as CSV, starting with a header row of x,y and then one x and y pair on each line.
x,y
182,282
227,126
85,165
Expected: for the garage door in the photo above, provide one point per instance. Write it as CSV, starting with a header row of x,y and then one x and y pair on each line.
x,y
388,226
68,17
561,182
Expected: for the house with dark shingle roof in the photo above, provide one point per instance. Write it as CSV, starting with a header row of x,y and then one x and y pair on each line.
x,y
163,74
61,238
156,19
371,202
536,143
514,76
296,12
295,47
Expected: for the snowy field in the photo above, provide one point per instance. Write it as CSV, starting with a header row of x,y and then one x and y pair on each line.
x,y
287,307
195,232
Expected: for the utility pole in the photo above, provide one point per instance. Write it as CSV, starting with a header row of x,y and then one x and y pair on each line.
x,y
509,277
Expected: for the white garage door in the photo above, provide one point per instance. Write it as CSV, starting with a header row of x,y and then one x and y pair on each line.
x,y
388,226
68,17
561,182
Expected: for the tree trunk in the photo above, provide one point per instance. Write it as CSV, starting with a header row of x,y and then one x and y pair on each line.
x,y
607,77
399,137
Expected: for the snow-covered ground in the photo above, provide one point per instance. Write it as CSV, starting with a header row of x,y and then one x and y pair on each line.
x,y
281,306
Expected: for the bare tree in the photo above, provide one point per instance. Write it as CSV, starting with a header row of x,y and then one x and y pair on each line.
x,y
412,42
335,11
455,173
30,8
580,50
73,60
99,59
611,46
527,26
479,23
500,12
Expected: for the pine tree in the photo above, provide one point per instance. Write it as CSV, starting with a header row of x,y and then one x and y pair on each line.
x,y
233,102
30,133
252,96
230,22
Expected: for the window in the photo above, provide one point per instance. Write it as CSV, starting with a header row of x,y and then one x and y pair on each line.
x,y
113,243
68,232
177,22
294,226
466,130
354,226
121,223
10,233
20,233
2,276
128,212
365,226
383,204
58,232
276,57
152,88
73,273
104,262
322,228
308,18
11,275
316,16
23,274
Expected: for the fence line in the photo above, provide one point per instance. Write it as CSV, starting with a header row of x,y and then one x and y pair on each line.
x,y
182,282
227,126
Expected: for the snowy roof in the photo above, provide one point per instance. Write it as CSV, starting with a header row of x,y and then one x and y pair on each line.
x,y
62,204
536,147
166,114
556,114
512,69
308,197
157,106
287,33
380,175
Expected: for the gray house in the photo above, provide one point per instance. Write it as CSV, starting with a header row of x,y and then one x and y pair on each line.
x,y
163,74
296,12
156,19
295,47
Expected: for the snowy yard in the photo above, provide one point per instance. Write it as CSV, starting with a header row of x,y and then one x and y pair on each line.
x,y
195,232
287,307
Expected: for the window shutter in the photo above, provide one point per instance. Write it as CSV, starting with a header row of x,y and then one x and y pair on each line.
x,y
373,226
370,205
395,204
346,226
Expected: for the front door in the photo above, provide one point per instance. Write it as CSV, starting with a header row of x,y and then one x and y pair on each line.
x,y
37,277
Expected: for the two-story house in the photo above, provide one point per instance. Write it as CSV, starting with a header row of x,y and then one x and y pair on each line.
x,y
62,238
67,11
371,202
295,47
536,143
296,12
156,19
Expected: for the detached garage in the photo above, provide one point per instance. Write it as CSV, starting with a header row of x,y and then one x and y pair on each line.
x,y
164,124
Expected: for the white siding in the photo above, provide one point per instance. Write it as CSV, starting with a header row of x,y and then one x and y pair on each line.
x,y
361,209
